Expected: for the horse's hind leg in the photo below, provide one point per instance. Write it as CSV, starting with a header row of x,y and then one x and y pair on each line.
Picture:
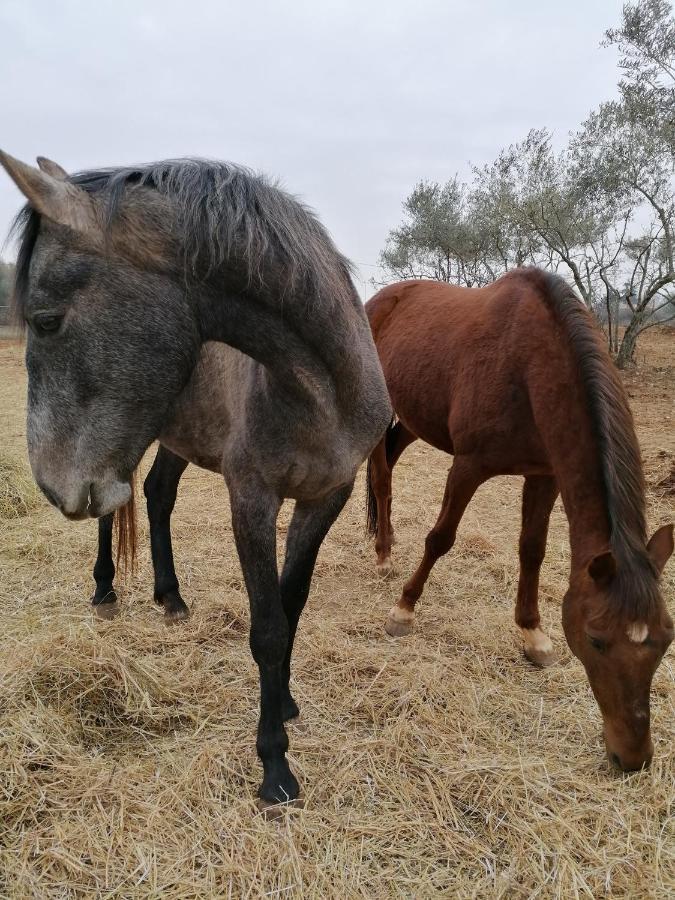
x,y
464,478
539,494
309,526
104,599
161,487
380,466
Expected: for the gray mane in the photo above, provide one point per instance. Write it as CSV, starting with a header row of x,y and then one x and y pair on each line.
x,y
227,217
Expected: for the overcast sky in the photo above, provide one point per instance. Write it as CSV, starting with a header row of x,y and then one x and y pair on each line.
x,y
348,103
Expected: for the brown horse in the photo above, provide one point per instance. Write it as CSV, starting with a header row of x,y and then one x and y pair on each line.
x,y
514,379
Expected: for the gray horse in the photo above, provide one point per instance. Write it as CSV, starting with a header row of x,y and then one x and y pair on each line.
x,y
122,275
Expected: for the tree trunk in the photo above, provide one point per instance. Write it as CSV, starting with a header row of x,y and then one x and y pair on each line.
x,y
628,343
610,323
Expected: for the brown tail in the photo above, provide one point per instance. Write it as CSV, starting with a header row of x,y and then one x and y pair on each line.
x,y
125,530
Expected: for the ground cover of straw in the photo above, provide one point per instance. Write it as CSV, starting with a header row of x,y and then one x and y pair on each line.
x,y
438,765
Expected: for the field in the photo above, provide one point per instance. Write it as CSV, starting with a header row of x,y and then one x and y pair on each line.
x,y
441,764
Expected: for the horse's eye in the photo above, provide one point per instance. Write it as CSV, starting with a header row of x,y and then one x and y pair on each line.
x,y
46,323
597,644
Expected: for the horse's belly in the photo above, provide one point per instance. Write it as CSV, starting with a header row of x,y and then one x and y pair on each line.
x,y
502,434
424,413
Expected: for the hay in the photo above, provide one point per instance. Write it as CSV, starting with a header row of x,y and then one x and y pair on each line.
x,y
18,492
438,765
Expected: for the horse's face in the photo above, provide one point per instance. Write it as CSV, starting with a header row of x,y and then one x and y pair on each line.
x,y
620,656
110,345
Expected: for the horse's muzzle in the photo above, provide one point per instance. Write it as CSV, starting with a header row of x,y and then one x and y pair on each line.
x,y
88,500
630,758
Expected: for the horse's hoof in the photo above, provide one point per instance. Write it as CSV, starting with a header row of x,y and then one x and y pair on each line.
x,y
385,567
107,611
176,616
540,658
273,811
175,608
400,622
538,648
398,629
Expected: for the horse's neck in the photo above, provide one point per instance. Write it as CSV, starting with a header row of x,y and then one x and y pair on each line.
x,y
323,361
268,335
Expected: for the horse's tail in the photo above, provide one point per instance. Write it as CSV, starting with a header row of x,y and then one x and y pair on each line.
x,y
125,528
371,501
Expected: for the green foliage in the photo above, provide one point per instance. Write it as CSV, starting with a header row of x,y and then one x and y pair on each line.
x,y
646,40
437,238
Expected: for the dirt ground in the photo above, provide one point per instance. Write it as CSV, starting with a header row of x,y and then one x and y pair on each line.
x,y
441,764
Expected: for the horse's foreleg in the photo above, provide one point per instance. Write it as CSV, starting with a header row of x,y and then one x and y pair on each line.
x,y
309,526
104,598
254,514
463,480
161,487
539,494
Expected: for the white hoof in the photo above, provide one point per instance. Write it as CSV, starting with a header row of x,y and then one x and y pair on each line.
x,y
384,567
537,647
399,622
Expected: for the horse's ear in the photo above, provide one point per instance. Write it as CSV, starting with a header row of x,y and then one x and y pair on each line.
x,y
602,568
660,546
58,200
52,168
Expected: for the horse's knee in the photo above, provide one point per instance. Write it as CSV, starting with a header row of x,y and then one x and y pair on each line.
x,y
269,642
438,543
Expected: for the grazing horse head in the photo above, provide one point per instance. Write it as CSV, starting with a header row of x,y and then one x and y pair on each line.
x,y
111,340
621,642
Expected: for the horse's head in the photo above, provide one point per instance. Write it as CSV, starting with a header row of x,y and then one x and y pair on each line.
x,y
111,339
620,652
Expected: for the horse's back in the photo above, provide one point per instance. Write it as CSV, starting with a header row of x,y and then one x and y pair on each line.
x,y
455,361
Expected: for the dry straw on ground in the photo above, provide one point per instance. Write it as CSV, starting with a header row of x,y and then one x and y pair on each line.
x,y
18,492
439,765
